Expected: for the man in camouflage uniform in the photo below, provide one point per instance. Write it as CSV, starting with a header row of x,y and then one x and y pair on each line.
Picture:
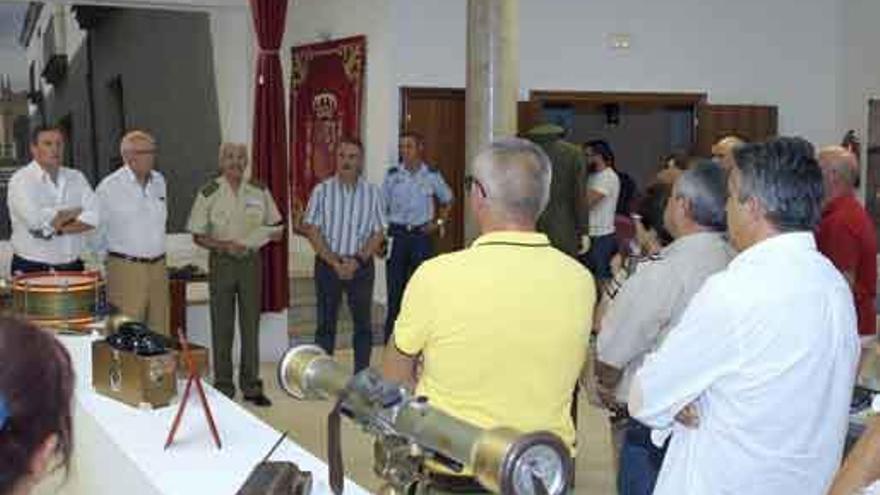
x,y
232,218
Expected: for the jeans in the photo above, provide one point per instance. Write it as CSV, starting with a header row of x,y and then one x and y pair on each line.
x,y
359,293
640,461
598,259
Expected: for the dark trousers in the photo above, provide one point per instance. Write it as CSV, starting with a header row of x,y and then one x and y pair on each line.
x,y
359,293
408,251
598,259
640,461
22,265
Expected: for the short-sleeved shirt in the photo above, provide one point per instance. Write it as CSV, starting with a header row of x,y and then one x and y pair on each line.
x,y
225,215
503,328
602,213
846,235
652,300
133,217
409,196
347,216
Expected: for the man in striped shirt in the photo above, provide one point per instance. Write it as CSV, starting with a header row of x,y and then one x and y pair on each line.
x,y
345,222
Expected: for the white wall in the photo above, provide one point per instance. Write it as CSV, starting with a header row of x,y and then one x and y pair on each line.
x,y
781,52
234,45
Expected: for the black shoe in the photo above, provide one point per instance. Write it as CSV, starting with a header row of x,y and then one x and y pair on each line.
x,y
259,400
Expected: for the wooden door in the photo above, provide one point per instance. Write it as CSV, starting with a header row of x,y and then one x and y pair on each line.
x,y
750,122
872,188
438,114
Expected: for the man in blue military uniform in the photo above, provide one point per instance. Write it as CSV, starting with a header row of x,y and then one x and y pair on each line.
x,y
410,189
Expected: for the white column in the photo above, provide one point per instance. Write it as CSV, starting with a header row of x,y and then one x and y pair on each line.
x,y
492,77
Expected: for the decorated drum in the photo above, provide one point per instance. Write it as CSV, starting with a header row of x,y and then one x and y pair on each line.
x,y
61,300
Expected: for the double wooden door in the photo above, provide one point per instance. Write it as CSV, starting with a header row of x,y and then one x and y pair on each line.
x,y
754,123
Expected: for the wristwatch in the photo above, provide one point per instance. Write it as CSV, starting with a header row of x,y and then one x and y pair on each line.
x,y
440,222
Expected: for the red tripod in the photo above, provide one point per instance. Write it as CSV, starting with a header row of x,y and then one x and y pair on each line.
x,y
194,377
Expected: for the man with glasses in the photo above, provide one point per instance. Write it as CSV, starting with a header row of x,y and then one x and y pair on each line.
x,y
132,233
756,378
497,334
651,302
50,208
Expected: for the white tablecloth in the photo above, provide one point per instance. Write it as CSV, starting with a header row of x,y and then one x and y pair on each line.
x,y
118,449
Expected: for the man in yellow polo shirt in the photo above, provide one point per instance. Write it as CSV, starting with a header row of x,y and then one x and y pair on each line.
x,y
502,327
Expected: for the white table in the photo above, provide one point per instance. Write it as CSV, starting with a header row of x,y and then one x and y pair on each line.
x,y
118,449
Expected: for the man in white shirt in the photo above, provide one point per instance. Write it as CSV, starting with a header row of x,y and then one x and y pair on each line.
x,y
50,208
132,233
757,376
652,301
603,188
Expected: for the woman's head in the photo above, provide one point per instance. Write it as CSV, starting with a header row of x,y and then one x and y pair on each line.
x,y
36,387
650,231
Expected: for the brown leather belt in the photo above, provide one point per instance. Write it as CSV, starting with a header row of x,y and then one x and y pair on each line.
x,y
135,259
455,484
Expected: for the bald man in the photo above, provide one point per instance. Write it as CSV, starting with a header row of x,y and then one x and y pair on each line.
x,y
132,233
846,234
722,151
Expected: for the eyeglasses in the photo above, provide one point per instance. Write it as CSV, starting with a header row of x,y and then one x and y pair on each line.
x,y
470,181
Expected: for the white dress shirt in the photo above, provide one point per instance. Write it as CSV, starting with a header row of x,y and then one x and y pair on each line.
x,y
767,353
34,200
133,217
652,300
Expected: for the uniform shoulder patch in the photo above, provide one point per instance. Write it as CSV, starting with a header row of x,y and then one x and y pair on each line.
x,y
210,188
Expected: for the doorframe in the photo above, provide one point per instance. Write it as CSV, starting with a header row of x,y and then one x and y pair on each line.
x,y
628,97
694,101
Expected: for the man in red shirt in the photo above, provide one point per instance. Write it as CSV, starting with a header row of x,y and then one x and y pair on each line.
x,y
846,234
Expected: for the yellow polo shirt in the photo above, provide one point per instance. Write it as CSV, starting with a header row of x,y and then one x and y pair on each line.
x,y
503,327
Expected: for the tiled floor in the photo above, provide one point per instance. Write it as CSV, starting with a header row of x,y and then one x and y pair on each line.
x,y
306,422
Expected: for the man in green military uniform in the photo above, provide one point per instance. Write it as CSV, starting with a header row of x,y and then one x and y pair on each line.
x,y
233,218
565,218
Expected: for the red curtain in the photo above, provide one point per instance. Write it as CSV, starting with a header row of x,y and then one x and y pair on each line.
x,y
269,149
